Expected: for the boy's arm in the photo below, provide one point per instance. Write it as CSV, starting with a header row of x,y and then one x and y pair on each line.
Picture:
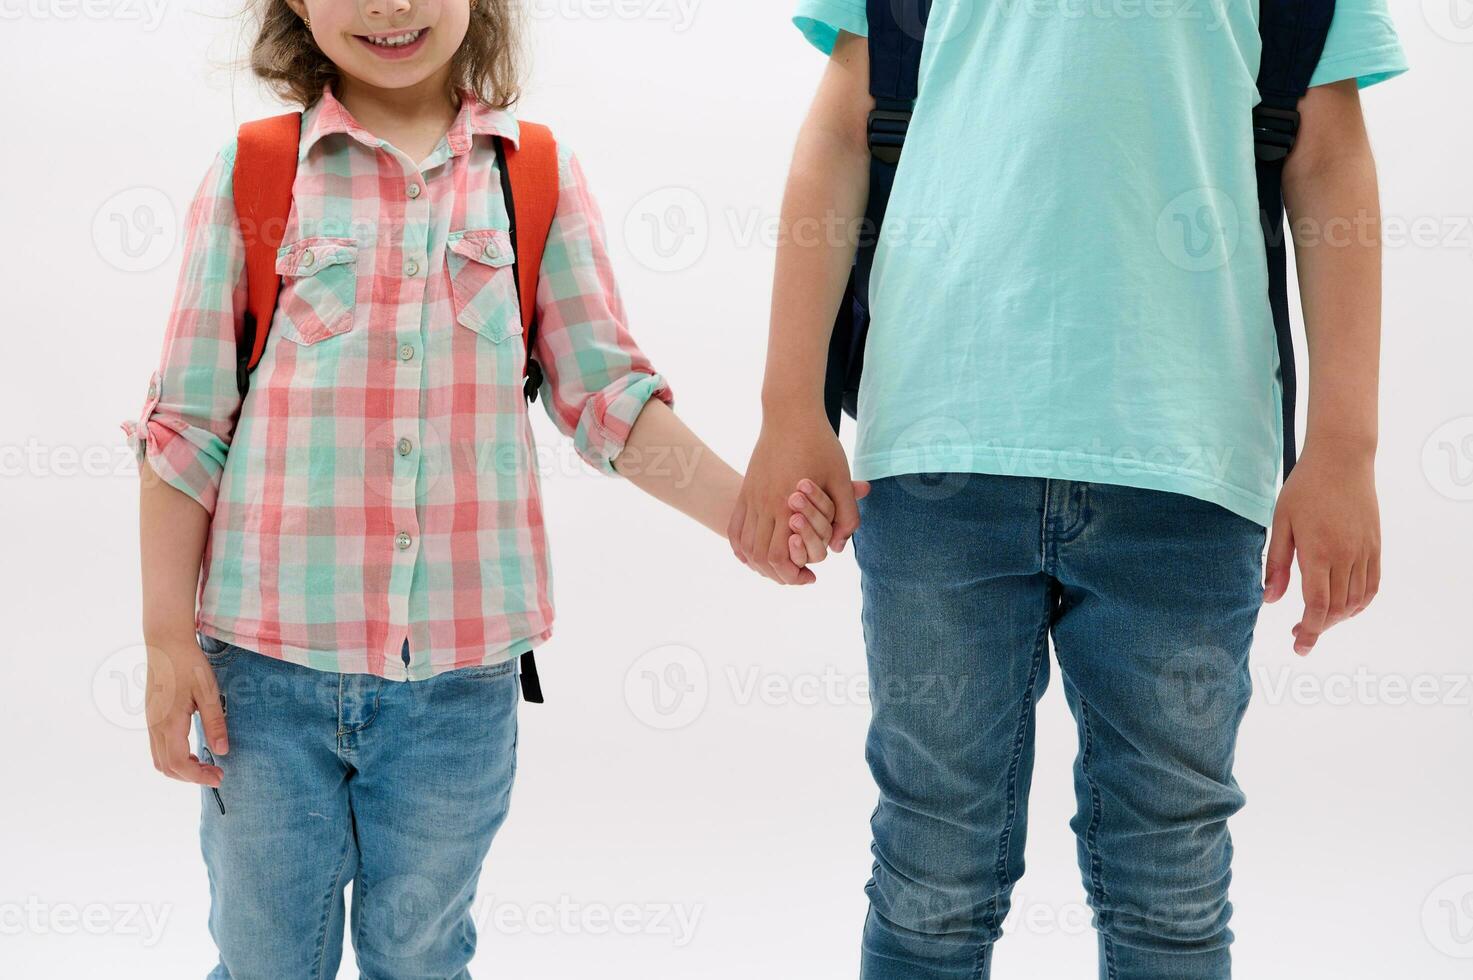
x,y
827,188
1327,512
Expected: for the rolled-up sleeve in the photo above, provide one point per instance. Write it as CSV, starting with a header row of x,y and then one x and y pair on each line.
x,y
596,379
189,414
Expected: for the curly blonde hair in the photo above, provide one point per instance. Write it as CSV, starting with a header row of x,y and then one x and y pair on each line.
x,y
488,63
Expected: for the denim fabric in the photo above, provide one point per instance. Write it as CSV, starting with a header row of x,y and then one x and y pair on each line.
x,y
337,778
1150,600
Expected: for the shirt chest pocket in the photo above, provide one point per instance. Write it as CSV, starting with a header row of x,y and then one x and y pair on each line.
x,y
319,288
483,282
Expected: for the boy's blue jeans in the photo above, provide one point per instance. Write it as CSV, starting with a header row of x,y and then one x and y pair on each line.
x,y
332,778
1150,599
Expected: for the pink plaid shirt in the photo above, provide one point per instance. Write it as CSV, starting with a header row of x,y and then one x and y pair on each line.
x,y
378,481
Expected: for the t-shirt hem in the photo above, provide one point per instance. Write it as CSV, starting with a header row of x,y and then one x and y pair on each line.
x,y
1045,464
356,662
1368,66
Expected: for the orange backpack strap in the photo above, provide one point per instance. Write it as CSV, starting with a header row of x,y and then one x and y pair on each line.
x,y
530,184
265,169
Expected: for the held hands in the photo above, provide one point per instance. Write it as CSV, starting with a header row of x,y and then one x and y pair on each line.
x,y
1328,515
797,501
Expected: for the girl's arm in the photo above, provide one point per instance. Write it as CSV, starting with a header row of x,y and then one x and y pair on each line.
x,y
1327,512
600,388
181,439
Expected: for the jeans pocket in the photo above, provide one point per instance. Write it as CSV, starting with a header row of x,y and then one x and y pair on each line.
x,y
216,651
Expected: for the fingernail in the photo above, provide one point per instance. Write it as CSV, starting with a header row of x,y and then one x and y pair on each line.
x,y
806,486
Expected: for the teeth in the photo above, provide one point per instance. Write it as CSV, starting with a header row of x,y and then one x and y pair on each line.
x,y
396,40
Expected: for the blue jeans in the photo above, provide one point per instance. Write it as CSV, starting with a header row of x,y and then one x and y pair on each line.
x,y
1150,599
331,778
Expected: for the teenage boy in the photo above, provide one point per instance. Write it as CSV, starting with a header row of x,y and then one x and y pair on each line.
x,y
1070,418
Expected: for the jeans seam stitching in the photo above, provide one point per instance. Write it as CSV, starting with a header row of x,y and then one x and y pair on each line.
x,y
1096,872
333,887
1010,821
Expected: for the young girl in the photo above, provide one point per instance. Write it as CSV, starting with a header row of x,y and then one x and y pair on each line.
x,y
368,513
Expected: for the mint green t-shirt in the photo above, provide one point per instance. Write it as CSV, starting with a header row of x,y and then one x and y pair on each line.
x,y
1071,282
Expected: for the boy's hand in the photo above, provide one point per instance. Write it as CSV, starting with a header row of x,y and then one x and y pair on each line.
x,y
181,682
1328,515
812,521
791,447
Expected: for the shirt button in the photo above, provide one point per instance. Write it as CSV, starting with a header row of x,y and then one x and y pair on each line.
x,y
153,389
491,250
308,258
413,191
406,352
402,540
411,268
405,447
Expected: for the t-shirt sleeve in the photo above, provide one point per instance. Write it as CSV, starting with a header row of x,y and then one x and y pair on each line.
x,y
822,20
1362,45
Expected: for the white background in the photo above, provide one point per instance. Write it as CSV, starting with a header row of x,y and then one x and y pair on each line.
x,y
1354,854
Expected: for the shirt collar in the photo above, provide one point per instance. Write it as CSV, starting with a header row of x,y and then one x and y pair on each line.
x,y
475,118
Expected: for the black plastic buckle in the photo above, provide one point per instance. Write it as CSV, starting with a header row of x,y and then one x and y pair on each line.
x,y
887,129
1274,133
533,382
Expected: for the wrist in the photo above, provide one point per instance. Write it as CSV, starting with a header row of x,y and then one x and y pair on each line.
x,y
169,634
1347,447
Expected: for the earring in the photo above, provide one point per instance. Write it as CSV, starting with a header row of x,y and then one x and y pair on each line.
x,y
307,22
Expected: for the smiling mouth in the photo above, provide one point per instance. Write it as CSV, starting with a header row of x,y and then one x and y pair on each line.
x,y
394,43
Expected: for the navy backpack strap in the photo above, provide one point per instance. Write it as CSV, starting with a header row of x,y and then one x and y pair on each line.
x,y
1293,33
897,35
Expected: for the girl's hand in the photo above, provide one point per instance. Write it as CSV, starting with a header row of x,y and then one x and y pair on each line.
x,y
812,521
1328,515
181,682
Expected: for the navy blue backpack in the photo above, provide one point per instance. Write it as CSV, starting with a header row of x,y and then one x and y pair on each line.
x,y
1293,33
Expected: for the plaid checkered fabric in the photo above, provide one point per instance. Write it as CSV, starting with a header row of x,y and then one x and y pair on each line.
x,y
378,482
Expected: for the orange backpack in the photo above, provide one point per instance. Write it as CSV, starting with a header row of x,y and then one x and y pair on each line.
x,y
266,169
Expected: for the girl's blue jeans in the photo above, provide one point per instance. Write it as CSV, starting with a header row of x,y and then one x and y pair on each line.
x,y
332,778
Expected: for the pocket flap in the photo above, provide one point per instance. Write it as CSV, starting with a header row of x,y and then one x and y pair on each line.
x,y
311,255
489,246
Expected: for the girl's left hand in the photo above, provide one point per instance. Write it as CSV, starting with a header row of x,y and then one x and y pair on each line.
x,y
812,521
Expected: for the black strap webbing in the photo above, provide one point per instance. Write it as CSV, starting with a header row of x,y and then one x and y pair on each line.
x,y
1293,33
